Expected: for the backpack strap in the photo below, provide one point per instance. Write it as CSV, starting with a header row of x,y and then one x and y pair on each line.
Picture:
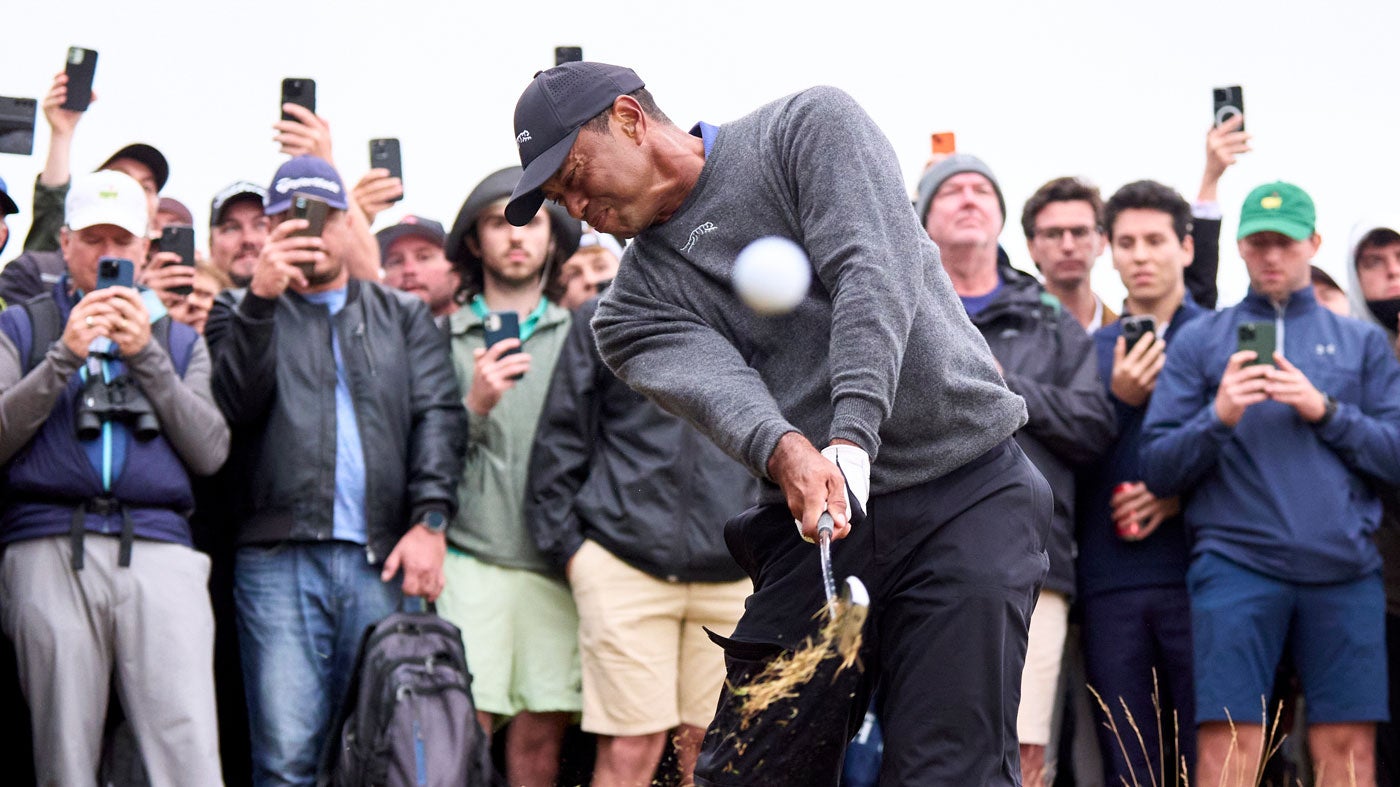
x,y
45,328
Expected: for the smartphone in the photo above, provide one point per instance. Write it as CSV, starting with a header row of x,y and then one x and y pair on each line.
x,y
1259,337
1137,326
314,210
115,272
300,91
384,154
81,66
567,54
17,125
179,240
1229,101
500,326
944,142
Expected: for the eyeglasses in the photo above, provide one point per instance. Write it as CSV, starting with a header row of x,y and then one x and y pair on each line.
x,y
1055,234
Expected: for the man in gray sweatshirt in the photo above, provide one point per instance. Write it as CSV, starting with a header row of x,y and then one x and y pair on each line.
x,y
878,364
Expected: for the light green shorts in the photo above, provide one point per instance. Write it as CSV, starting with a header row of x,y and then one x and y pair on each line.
x,y
520,629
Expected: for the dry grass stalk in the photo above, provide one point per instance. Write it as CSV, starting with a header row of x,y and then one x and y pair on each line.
x,y
785,676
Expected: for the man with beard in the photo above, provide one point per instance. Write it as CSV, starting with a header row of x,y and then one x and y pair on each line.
x,y
413,261
522,635
350,444
237,230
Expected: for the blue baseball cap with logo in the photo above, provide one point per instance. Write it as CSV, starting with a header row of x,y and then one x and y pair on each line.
x,y
7,205
548,117
305,175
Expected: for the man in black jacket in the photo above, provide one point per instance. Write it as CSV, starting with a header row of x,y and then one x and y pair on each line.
x,y
1046,358
320,375
629,502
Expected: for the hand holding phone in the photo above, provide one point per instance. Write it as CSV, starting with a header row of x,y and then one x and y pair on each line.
x,y
1228,102
179,240
314,210
300,91
497,367
80,68
1135,327
1259,337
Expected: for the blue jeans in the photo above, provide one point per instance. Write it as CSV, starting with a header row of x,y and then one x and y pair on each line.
x,y
302,610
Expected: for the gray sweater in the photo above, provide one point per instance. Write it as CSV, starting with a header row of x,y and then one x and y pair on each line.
x,y
880,352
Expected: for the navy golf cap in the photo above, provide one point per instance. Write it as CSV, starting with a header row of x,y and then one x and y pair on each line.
x,y
548,116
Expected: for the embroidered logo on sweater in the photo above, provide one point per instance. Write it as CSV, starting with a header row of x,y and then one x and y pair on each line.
x,y
695,234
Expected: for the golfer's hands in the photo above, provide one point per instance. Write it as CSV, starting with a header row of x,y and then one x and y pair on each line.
x,y
854,464
812,484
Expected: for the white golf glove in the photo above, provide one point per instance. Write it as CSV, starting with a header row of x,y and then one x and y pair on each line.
x,y
854,464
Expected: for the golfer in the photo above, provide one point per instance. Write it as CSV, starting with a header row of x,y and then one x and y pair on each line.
x,y
874,399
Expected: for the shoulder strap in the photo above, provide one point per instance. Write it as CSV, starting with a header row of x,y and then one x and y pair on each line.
x,y
45,326
178,344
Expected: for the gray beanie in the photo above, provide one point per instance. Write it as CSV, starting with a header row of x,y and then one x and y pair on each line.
x,y
955,164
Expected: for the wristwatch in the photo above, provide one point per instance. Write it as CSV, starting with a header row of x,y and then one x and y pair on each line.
x,y
1329,409
435,521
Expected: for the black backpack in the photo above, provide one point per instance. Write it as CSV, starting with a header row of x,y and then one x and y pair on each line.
x,y
408,717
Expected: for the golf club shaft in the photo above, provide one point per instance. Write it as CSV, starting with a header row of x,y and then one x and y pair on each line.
x,y
825,526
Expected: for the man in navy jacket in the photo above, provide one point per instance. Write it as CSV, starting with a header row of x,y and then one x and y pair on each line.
x,y
1279,454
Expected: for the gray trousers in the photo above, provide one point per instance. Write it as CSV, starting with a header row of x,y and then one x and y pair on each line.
x,y
150,622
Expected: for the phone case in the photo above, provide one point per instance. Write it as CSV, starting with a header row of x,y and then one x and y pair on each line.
x,y
115,272
17,125
81,66
1228,101
1259,337
1134,328
384,154
944,142
567,54
299,91
499,326
179,240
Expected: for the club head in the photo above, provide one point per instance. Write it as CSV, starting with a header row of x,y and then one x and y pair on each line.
x,y
854,608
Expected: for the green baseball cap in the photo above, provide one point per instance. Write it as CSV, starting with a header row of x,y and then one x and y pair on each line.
x,y
1278,207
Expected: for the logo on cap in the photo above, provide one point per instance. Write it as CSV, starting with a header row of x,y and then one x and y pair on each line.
x,y
285,185
522,137
106,194
1271,202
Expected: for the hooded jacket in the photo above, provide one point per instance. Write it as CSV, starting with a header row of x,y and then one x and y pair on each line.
x,y
1049,360
1287,498
1388,535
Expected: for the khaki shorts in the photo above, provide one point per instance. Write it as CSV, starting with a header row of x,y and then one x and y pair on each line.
x,y
521,634
1040,680
647,664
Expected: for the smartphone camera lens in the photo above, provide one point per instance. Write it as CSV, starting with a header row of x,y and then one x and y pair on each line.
x,y
1247,332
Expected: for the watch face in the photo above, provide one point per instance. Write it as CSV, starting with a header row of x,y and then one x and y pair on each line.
x,y
435,521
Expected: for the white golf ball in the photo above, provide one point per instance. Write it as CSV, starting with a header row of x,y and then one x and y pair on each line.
x,y
772,275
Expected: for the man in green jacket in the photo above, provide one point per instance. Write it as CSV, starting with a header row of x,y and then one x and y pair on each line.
x,y
517,616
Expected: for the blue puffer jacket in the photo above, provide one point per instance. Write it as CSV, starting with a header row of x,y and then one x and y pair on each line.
x,y
1281,496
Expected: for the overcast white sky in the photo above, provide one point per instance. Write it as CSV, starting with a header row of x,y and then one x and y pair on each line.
x,y
1113,91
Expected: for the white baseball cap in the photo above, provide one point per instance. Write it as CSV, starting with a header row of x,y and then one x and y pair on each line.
x,y
106,197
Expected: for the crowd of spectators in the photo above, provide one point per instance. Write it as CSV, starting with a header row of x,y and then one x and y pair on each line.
x,y
215,479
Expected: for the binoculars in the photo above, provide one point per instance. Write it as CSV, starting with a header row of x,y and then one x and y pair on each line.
x,y
118,399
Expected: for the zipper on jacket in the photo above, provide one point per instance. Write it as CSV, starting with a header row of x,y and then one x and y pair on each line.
x,y
1279,310
363,339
